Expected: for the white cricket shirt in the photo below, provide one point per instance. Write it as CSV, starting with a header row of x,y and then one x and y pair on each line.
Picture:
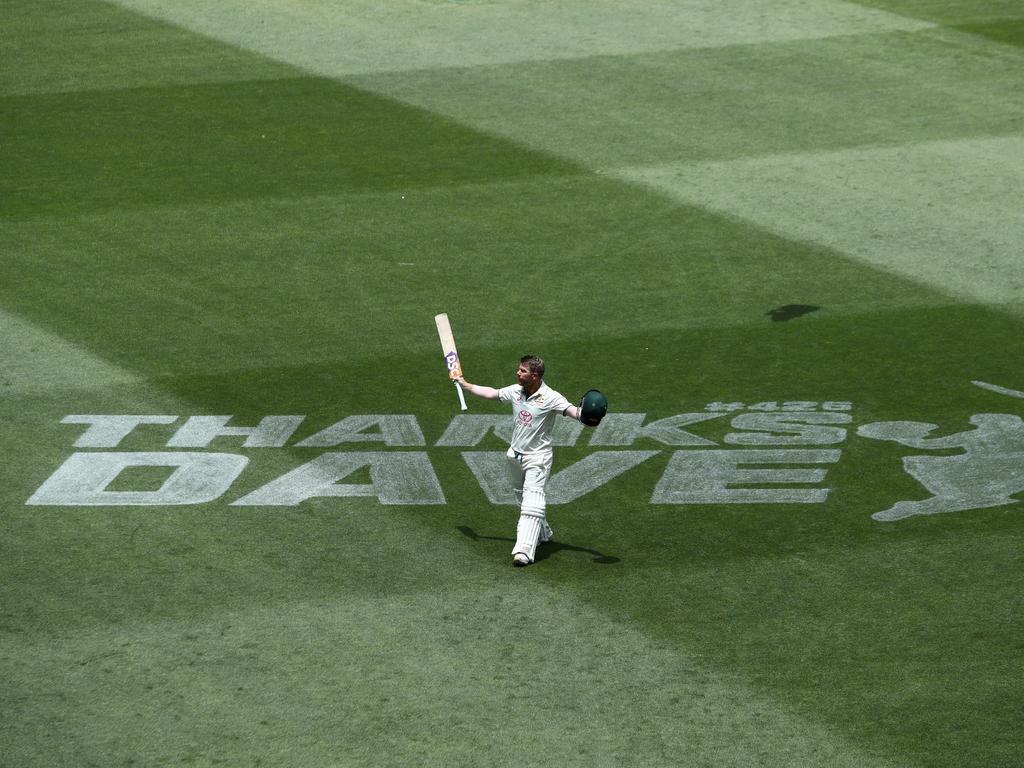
x,y
534,416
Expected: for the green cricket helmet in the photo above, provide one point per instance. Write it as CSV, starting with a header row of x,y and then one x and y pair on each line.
x,y
594,406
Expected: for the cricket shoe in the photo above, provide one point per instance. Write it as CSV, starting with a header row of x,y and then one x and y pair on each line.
x,y
520,560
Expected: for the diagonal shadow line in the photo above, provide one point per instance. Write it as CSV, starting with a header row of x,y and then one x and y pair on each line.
x,y
547,549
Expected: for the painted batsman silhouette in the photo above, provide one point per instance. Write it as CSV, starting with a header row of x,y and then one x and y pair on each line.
x,y
987,474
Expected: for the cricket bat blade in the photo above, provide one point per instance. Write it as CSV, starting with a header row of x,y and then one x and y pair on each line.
x,y
451,353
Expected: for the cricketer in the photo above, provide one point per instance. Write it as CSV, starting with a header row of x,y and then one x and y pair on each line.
x,y
534,408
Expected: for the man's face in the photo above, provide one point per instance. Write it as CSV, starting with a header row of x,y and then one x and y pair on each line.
x,y
526,377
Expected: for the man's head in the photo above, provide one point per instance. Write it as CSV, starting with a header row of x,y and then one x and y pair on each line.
x,y
530,373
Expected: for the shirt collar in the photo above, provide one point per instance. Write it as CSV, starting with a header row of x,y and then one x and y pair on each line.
x,y
540,390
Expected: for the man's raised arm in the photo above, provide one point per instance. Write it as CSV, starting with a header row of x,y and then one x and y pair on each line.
x,y
488,393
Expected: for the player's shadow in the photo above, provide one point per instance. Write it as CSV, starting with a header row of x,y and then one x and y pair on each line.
x,y
544,551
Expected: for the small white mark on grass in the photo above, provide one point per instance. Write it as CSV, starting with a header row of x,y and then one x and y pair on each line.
x,y
1000,390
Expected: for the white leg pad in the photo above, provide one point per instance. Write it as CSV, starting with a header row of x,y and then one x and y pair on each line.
x,y
528,533
533,525
534,501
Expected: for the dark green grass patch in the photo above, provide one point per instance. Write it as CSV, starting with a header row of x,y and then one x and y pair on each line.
x,y
951,12
999,21
1009,31
96,150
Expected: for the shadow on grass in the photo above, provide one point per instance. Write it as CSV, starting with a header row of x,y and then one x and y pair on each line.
x,y
546,550
791,311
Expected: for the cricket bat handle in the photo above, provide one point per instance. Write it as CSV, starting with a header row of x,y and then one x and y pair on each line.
x,y
462,397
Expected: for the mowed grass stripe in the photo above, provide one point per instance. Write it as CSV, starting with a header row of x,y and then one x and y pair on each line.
x,y
955,13
469,674
734,102
306,290
118,149
945,214
66,46
359,37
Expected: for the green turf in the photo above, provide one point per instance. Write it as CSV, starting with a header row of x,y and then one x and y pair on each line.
x,y
253,210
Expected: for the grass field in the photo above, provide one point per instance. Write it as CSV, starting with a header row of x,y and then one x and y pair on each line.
x,y
784,238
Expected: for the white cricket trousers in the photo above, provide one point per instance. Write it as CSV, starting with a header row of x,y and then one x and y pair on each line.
x,y
529,473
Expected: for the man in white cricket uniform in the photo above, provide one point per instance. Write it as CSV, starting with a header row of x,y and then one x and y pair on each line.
x,y
534,408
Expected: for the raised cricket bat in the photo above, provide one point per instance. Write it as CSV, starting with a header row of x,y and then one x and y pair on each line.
x,y
451,354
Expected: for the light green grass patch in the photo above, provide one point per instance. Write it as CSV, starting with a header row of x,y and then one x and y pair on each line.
x,y
468,675
945,214
339,39
737,101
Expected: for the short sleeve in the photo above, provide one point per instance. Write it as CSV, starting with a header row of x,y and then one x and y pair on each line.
x,y
558,402
507,394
